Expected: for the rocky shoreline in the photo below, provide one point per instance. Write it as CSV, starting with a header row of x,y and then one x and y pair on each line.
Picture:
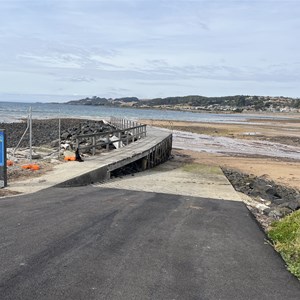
x,y
271,201
45,131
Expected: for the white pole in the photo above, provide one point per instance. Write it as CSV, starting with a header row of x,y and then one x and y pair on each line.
x,y
30,134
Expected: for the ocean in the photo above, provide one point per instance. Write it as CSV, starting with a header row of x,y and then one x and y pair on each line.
x,y
14,111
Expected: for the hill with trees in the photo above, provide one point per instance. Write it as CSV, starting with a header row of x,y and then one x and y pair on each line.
x,y
237,103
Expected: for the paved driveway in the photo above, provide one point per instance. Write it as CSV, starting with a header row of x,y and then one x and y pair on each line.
x,y
100,243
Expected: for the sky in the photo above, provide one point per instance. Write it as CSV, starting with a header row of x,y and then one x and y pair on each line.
x,y
69,49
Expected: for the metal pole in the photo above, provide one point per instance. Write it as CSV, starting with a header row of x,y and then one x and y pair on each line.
x,y
27,127
59,125
30,134
93,145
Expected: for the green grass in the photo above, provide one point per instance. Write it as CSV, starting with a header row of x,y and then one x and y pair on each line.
x,y
285,235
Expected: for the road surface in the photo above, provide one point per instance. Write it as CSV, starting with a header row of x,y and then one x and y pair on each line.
x,y
100,243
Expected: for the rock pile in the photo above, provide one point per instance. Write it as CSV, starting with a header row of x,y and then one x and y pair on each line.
x,y
274,200
68,136
45,132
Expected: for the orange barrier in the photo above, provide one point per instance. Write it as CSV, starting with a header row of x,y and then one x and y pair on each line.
x,y
9,163
32,167
35,167
70,158
26,167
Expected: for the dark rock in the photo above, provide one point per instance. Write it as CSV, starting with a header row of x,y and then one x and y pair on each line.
x,y
279,212
294,204
45,131
272,192
258,184
267,211
284,200
65,135
284,204
283,211
54,143
278,201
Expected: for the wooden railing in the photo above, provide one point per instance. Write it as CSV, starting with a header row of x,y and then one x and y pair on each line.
x,y
125,133
123,123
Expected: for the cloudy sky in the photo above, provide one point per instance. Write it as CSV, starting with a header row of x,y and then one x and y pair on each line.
x,y
148,48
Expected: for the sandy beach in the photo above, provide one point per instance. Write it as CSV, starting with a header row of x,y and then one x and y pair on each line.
x,y
269,148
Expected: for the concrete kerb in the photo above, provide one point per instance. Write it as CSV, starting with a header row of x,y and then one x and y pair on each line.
x,y
98,175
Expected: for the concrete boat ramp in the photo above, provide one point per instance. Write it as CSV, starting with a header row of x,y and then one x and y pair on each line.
x,y
148,152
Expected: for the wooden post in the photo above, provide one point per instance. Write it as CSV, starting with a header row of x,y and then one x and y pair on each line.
x,y
133,135
107,142
144,163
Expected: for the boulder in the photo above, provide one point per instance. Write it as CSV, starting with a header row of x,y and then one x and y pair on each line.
x,y
279,212
294,204
278,201
34,155
65,135
54,143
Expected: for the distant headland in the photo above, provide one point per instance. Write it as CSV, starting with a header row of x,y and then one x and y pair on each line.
x,y
237,103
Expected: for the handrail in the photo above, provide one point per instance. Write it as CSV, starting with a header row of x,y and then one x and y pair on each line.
x,y
110,132
130,134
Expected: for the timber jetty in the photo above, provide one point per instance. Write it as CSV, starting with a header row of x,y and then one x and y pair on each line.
x,y
138,144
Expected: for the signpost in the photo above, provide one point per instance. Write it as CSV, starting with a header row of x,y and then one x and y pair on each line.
x,y
3,168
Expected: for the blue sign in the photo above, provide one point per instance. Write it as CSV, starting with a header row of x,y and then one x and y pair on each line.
x,y
1,148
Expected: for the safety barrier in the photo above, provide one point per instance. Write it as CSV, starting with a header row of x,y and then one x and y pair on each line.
x,y
126,132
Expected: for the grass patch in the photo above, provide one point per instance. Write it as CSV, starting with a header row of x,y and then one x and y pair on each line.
x,y
285,235
200,169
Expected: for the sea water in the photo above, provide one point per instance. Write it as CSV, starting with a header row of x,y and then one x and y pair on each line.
x,y
15,111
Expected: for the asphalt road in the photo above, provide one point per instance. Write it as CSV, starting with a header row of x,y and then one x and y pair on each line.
x,y
95,243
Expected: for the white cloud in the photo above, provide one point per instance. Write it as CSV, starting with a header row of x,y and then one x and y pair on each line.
x,y
147,48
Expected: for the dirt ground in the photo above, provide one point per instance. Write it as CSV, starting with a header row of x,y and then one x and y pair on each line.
x,y
17,173
280,131
281,170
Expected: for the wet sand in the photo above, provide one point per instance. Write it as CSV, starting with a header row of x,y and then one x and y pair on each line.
x,y
260,147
